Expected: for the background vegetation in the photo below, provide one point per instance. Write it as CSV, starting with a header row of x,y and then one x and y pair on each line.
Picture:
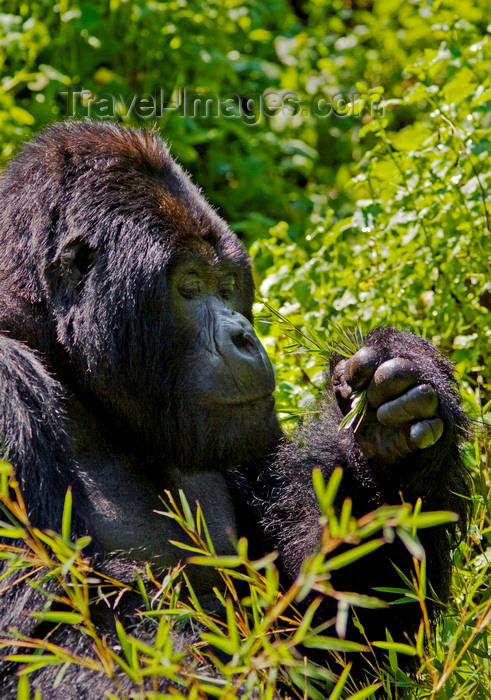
x,y
373,216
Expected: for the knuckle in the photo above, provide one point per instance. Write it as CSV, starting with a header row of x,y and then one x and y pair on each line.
x,y
391,379
361,366
395,369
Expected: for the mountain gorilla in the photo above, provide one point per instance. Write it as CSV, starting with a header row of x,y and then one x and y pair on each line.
x,y
129,365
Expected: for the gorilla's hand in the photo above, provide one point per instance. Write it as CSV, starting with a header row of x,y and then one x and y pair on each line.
x,y
402,413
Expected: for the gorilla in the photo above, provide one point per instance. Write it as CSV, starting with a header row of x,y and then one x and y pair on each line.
x,y
129,366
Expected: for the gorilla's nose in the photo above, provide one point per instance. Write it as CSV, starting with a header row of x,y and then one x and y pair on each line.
x,y
244,355
244,340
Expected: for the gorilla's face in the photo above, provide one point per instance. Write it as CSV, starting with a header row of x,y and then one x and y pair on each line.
x,y
152,295
226,365
222,391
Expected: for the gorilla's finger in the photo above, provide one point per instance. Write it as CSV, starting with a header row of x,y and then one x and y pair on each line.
x,y
390,380
360,368
341,388
425,433
419,402
389,444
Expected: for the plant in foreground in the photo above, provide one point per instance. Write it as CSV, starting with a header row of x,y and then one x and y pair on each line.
x,y
253,648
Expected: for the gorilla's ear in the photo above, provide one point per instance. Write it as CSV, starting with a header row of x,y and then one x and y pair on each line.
x,y
73,260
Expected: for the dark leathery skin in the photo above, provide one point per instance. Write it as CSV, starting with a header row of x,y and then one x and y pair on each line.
x,y
402,414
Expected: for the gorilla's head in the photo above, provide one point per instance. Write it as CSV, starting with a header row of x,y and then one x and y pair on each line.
x,y
137,293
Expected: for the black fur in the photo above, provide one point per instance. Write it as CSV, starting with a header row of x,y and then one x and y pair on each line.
x,y
128,364
288,511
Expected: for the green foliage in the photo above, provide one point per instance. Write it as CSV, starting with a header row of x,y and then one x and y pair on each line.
x,y
379,215
416,249
262,628
257,169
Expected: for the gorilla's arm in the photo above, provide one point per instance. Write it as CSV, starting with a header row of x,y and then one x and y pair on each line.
x,y
32,434
33,440
406,447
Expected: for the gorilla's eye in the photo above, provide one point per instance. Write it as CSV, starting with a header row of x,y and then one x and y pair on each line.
x,y
75,260
226,287
190,285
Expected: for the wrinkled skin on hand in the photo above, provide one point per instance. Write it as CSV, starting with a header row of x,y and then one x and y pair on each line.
x,y
402,414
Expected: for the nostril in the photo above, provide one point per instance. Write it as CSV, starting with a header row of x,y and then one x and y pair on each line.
x,y
242,340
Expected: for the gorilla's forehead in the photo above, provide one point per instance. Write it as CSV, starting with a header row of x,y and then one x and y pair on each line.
x,y
201,229
207,256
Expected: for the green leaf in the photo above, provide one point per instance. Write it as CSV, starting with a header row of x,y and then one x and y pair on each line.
x,y
39,660
366,692
354,554
334,644
67,515
225,562
397,647
68,618
187,511
23,688
359,406
437,517
411,542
